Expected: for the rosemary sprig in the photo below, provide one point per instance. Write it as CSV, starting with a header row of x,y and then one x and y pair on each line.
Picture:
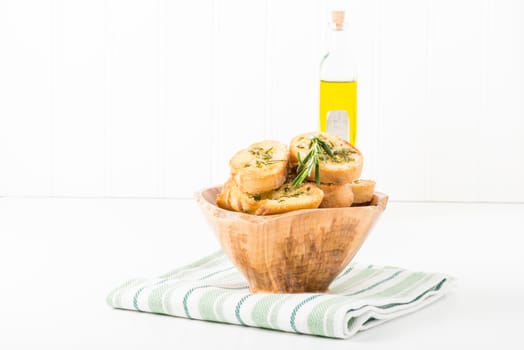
x,y
311,160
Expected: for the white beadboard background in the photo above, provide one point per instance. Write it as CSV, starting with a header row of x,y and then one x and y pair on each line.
x,y
150,98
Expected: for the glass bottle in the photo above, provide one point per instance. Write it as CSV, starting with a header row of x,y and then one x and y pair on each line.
x,y
338,83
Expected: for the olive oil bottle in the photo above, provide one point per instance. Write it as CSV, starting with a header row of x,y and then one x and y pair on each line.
x,y
338,83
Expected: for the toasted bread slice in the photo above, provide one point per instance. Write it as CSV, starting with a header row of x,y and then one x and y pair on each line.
x,y
343,167
288,198
261,167
231,198
363,191
224,197
336,196
284,199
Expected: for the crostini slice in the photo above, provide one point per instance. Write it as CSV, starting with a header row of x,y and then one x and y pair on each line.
x,y
261,167
344,166
336,196
285,198
363,191
231,198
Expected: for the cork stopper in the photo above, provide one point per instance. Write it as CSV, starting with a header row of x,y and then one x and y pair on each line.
x,y
337,17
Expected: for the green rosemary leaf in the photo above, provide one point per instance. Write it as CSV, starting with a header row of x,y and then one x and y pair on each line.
x,y
273,161
325,147
312,153
300,178
311,161
300,163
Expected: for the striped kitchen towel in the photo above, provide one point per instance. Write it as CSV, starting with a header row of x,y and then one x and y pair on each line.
x,y
212,289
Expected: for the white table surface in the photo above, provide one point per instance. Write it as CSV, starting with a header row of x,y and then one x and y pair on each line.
x,y
60,257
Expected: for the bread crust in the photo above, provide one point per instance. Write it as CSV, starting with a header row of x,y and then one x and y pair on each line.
x,y
363,191
285,198
336,196
344,167
231,198
261,167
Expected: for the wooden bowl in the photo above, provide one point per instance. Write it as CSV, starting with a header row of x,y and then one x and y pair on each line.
x,y
296,252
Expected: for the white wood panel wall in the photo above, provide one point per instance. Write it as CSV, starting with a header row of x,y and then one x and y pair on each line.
x,y
136,98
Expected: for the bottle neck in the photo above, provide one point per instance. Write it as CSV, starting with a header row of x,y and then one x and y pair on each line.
x,y
339,62
338,40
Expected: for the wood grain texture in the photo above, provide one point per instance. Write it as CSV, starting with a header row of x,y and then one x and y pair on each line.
x,y
296,252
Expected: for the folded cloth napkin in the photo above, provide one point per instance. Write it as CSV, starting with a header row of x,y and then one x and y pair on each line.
x,y
212,289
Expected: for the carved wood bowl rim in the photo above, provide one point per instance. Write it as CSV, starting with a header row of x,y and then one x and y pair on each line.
x,y
379,201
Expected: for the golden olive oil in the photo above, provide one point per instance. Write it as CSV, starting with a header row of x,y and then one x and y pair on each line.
x,y
338,109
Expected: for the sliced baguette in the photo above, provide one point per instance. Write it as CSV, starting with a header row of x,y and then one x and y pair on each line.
x,y
345,165
284,199
288,198
231,198
260,167
363,191
336,196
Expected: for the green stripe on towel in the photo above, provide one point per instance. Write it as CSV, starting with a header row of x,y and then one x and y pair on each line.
x,y
212,289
